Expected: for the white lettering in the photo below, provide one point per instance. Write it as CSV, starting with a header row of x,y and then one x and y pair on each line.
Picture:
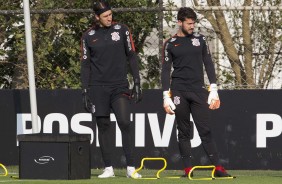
x,y
62,120
22,120
118,132
97,137
263,133
140,130
80,129
161,141
196,141
160,138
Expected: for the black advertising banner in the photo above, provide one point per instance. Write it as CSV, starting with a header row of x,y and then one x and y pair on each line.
x,y
247,128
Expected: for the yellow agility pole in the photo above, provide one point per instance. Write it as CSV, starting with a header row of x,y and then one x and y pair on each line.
x,y
6,171
221,178
142,164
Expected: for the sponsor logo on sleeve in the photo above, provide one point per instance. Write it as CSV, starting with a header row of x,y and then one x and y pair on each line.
x,y
128,40
84,50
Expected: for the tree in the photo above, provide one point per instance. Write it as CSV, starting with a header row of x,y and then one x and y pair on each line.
x,y
251,57
255,56
56,39
55,44
8,36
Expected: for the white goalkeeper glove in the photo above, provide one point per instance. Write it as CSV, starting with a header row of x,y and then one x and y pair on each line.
x,y
213,99
168,104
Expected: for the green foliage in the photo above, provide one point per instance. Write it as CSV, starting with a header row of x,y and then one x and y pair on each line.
x,y
152,76
56,41
10,36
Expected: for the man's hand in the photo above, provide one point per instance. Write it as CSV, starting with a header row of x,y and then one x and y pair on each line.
x,y
169,106
136,93
89,107
213,99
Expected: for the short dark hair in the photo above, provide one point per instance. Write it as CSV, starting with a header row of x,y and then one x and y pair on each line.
x,y
100,6
185,12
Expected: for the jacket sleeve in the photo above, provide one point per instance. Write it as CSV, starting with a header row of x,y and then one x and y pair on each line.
x,y
131,54
85,63
166,67
208,63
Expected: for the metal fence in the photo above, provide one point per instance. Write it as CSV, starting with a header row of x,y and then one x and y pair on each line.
x,y
245,42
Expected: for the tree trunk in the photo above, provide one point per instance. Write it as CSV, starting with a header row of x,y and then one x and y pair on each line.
x,y
220,26
20,77
248,49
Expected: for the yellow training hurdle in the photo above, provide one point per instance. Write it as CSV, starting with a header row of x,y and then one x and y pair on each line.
x,y
190,175
202,167
6,171
142,164
221,178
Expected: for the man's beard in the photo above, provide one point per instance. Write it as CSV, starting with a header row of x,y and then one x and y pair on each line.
x,y
186,32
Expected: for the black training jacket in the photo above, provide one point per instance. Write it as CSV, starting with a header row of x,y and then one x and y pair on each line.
x,y
187,55
105,52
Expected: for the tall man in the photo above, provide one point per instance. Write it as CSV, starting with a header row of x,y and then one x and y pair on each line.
x,y
184,91
105,48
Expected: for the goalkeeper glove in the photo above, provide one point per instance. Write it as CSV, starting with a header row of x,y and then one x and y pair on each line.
x,y
168,104
213,99
136,93
89,107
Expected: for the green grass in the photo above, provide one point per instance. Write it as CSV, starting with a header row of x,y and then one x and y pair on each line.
x,y
242,177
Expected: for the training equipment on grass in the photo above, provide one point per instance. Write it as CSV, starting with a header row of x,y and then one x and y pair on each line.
x,y
207,178
6,171
212,177
142,164
190,177
221,178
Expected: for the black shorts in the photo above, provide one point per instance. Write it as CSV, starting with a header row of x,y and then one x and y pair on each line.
x,y
188,102
103,97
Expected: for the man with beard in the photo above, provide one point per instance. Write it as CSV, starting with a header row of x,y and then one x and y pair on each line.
x,y
184,91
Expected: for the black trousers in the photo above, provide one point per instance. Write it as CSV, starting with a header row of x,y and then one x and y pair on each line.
x,y
120,107
194,103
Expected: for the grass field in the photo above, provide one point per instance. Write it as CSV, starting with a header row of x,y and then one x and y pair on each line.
x,y
242,177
